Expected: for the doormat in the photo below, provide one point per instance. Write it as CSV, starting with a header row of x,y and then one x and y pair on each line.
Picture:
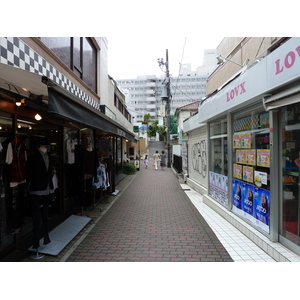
x,y
62,235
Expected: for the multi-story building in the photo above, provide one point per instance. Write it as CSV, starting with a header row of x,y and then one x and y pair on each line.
x,y
56,90
143,94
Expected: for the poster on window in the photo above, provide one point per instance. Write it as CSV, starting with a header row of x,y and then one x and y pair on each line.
x,y
251,202
237,141
240,156
263,158
237,171
246,140
237,195
218,187
260,178
248,173
250,157
248,201
262,208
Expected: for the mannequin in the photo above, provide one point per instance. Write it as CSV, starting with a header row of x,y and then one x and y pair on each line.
x,y
16,157
40,173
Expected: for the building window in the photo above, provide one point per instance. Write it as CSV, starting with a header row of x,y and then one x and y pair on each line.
x,y
78,53
251,166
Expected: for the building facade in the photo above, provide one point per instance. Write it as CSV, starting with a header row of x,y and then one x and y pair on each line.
x,y
252,132
55,91
143,94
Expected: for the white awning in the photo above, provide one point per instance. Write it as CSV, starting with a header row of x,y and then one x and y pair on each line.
x,y
284,98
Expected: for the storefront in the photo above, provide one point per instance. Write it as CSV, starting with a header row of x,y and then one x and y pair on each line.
x,y
71,126
254,151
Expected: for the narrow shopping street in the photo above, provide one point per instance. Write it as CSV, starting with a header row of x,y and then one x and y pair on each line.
x,y
152,221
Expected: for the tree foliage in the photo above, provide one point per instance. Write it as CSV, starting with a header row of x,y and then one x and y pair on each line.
x,y
152,129
147,117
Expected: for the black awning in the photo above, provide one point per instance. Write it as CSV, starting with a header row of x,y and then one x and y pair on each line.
x,y
60,104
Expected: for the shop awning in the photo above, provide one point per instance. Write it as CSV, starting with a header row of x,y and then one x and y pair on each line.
x,y
284,98
61,101
69,107
26,82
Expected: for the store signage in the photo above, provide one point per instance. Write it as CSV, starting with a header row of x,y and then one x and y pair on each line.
x,y
283,65
121,132
278,68
236,91
288,61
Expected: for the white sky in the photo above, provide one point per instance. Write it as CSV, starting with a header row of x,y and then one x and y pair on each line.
x,y
130,57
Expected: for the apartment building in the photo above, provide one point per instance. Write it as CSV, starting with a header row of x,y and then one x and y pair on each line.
x,y
143,94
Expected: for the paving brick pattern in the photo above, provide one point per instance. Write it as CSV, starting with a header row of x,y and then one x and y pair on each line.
x,y
151,221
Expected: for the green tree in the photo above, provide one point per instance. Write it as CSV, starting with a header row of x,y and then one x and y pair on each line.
x,y
152,129
147,117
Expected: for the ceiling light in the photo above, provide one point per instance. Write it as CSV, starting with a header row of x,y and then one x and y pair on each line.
x,y
38,117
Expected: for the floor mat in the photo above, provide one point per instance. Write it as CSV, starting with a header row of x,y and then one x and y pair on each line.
x,y
62,235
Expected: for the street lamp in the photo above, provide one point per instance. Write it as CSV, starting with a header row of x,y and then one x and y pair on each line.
x,y
221,60
166,95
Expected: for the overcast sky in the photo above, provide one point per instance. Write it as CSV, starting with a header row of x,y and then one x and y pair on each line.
x,y
129,57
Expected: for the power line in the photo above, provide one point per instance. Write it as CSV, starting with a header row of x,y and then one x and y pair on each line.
x,y
180,65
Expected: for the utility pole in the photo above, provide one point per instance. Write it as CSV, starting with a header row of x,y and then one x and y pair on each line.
x,y
166,96
168,109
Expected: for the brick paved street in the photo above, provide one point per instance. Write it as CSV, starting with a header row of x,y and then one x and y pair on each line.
x,y
151,221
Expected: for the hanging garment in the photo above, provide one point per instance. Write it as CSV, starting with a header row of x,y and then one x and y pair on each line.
x,y
16,157
100,181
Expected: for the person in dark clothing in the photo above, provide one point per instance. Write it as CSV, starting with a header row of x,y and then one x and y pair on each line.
x,y
40,185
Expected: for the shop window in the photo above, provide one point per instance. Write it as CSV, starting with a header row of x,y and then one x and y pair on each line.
x,y
290,141
71,163
6,131
251,167
15,210
79,54
218,180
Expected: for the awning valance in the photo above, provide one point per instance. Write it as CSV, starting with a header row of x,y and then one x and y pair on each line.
x,y
287,97
63,106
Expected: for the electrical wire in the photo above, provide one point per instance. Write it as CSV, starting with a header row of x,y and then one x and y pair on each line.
x,y
180,64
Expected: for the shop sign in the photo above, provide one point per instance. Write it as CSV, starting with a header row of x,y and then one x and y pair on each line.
x,y
283,64
288,61
236,91
278,68
121,132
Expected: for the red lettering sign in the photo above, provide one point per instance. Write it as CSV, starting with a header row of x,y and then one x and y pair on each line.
x,y
235,92
288,62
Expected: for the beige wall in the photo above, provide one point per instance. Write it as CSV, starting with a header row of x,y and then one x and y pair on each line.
x,y
237,49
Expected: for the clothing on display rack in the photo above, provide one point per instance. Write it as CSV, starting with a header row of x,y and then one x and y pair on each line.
x,y
101,181
90,163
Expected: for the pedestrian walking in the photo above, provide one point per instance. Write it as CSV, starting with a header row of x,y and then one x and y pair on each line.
x,y
162,160
156,158
146,161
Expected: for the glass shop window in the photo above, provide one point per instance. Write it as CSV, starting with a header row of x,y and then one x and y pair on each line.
x,y
290,166
251,167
